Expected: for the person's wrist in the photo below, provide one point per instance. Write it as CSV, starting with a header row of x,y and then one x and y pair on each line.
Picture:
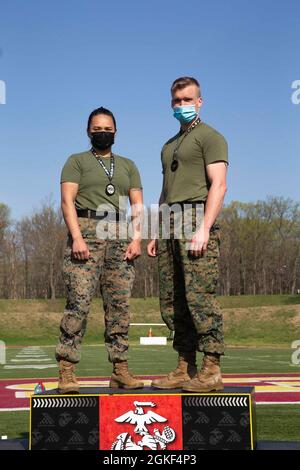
x,y
137,239
206,226
77,237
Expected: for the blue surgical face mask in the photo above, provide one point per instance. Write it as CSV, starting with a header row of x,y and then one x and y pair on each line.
x,y
185,114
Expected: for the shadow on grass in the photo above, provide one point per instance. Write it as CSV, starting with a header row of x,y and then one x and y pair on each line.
x,y
291,300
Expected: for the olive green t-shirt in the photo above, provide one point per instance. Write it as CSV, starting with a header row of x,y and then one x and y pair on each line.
x,y
85,170
202,146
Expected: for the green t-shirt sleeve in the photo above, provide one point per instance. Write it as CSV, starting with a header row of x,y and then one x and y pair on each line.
x,y
215,149
71,171
135,178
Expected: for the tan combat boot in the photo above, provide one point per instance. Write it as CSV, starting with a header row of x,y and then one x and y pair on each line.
x,y
208,379
123,378
184,372
67,380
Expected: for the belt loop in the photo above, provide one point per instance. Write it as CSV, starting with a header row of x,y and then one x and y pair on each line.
x,y
89,213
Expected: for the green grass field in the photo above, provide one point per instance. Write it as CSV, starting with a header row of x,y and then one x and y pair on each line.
x,y
248,320
259,332
156,360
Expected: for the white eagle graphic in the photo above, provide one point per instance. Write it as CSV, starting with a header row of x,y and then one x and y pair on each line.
x,y
140,418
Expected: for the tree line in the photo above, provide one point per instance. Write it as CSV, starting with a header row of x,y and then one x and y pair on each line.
x,y
260,252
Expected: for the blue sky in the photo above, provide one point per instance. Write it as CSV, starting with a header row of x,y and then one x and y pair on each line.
x,y
61,59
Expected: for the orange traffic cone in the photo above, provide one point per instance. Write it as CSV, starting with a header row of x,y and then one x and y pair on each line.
x,y
150,333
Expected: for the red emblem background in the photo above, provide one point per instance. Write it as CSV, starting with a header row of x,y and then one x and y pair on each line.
x,y
112,407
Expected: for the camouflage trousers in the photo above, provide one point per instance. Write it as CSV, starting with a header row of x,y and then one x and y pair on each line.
x,y
81,277
188,300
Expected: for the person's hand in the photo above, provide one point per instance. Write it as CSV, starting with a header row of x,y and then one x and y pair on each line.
x,y
199,242
80,250
133,250
152,248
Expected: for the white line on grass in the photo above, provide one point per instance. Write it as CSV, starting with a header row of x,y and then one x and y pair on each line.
x,y
30,360
24,356
14,409
278,403
32,366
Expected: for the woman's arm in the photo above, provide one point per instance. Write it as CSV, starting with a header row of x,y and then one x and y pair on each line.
x,y
136,203
68,196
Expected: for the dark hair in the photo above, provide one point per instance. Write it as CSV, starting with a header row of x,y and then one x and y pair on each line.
x,y
182,82
98,111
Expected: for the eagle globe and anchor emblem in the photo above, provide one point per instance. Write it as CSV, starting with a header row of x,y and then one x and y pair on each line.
x,y
156,441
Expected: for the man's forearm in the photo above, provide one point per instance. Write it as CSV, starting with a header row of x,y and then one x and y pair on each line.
x,y
214,203
160,202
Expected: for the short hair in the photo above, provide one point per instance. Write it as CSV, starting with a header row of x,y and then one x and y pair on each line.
x,y
183,82
98,111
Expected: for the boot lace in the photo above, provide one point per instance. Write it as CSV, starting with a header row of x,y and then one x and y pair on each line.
x,y
69,374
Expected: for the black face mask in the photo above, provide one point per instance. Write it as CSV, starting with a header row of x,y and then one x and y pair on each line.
x,y
102,140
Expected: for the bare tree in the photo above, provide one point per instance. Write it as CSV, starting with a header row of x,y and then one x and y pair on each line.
x,y
260,251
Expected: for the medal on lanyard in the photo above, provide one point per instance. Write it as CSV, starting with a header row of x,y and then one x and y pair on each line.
x,y
175,162
110,188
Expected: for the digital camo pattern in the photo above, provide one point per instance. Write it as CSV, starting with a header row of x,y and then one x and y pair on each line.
x,y
105,265
188,292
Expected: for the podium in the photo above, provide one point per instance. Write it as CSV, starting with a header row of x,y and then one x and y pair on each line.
x,y
145,419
